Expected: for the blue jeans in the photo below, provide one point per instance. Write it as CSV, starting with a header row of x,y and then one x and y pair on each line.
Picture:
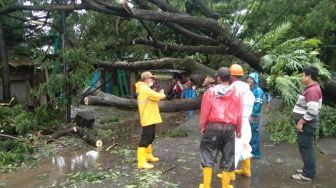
x,y
307,151
255,140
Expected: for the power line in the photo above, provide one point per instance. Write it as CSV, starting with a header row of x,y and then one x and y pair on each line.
x,y
245,16
276,20
238,16
170,16
227,6
257,11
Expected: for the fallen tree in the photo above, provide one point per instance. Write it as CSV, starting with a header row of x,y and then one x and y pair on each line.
x,y
205,28
165,106
189,65
75,131
203,33
197,70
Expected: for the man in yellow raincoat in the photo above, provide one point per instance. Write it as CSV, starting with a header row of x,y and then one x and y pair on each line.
x,y
148,105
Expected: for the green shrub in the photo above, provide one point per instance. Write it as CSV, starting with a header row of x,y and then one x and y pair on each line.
x,y
282,130
21,152
281,126
16,120
47,116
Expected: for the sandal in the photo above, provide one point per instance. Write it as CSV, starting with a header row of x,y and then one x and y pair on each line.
x,y
301,177
299,171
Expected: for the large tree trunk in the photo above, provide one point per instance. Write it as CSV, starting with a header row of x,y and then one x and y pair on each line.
x,y
329,93
198,70
5,67
189,65
165,106
209,27
203,29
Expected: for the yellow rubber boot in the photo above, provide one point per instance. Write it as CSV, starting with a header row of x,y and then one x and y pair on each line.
x,y
207,174
232,176
245,169
150,156
226,180
142,163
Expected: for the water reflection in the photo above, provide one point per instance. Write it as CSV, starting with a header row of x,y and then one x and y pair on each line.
x,y
58,162
78,161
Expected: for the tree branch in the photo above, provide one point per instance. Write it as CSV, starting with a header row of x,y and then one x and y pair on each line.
x,y
14,8
179,48
206,10
192,35
176,27
183,19
189,65
163,5
204,24
142,4
114,10
150,33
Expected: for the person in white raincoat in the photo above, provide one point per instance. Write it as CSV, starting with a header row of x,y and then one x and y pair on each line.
x,y
243,148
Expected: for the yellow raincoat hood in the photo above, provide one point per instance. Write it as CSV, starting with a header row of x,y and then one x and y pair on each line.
x,y
148,104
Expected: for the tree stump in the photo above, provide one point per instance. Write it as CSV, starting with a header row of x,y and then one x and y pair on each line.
x,y
86,137
6,145
59,134
84,119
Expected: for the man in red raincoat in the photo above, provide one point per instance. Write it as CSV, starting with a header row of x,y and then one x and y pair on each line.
x,y
221,118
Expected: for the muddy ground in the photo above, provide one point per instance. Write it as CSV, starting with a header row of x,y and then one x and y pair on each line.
x,y
177,145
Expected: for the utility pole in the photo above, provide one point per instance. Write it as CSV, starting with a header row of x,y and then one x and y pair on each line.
x,y
65,68
5,67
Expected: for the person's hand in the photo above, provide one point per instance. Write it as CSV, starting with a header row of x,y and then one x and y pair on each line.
x,y
250,119
202,131
299,125
238,135
162,91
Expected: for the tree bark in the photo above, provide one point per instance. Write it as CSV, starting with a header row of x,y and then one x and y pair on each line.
x,y
165,106
86,137
5,67
211,26
189,65
194,68
77,131
84,119
206,11
193,36
7,144
182,48
59,134
329,93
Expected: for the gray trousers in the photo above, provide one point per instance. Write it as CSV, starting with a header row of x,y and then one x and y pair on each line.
x,y
218,138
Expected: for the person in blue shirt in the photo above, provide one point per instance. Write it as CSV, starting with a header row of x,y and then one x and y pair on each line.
x,y
268,98
189,92
253,81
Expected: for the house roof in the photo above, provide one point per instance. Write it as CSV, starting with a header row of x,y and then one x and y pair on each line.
x,y
19,61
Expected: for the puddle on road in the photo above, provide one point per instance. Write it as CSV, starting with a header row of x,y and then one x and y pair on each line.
x,y
54,170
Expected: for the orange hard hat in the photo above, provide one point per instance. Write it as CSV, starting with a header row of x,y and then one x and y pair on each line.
x,y
236,70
